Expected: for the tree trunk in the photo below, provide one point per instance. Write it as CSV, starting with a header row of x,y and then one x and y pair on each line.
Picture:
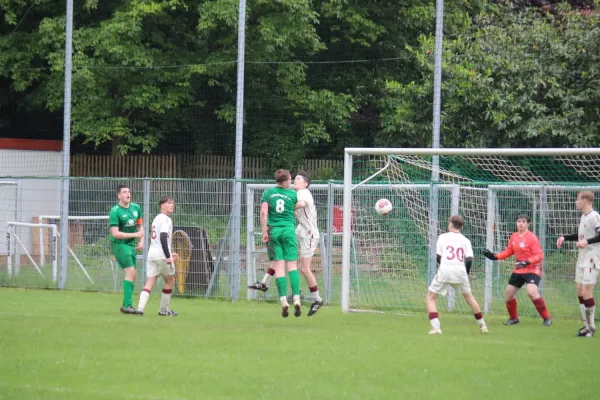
x,y
117,140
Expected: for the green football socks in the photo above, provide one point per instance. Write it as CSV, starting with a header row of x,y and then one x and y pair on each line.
x,y
281,286
127,293
295,282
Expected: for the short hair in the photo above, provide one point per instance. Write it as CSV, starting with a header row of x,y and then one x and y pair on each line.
x,y
587,195
164,199
456,221
121,187
282,175
525,217
304,176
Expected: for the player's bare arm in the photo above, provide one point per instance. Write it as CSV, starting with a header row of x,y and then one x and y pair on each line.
x,y
565,238
140,231
117,234
264,213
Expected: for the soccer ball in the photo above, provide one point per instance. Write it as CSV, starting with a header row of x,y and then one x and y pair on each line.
x,y
383,206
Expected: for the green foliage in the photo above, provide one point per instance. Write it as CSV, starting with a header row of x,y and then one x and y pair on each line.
x,y
515,79
153,72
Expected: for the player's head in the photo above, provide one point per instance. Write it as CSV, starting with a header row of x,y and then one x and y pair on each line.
x,y
523,223
283,178
456,223
166,204
123,194
584,202
302,181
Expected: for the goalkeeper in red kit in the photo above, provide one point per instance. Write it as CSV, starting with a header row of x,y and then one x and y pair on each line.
x,y
527,250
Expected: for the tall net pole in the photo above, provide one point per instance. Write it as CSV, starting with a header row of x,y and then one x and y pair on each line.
x,y
437,106
64,206
236,211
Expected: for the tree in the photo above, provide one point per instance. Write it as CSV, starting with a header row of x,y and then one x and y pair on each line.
x,y
518,79
148,74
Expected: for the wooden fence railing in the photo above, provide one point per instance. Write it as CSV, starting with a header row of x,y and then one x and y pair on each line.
x,y
189,166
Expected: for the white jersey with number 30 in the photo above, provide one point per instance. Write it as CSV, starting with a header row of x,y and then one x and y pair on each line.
x,y
453,248
161,224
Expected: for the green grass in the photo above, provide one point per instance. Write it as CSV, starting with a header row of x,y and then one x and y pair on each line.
x,y
374,291
76,345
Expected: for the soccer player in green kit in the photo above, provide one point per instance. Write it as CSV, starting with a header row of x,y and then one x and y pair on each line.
x,y
279,232
125,221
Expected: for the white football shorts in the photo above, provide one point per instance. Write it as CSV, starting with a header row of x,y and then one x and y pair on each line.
x,y
307,245
439,285
586,276
159,268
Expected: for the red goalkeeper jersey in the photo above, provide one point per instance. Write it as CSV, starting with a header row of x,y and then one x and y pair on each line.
x,y
525,248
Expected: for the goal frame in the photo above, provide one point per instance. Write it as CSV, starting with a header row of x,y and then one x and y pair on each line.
x,y
70,251
348,187
10,234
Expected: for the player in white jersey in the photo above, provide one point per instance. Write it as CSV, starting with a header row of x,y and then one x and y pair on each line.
x,y
161,259
455,255
307,235
588,260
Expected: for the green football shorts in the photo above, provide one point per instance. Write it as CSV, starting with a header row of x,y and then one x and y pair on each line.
x,y
282,244
125,255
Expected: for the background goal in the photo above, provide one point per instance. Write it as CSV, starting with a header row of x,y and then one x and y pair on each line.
x,y
388,261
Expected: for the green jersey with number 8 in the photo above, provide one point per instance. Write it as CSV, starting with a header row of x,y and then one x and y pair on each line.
x,y
281,206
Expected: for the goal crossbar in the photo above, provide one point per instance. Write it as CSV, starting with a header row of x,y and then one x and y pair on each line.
x,y
75,217
473,152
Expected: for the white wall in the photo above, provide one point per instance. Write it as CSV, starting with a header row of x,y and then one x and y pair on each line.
x,y
36,197
21,163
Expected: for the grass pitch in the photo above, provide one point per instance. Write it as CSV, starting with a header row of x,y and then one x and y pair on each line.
x,y
74,345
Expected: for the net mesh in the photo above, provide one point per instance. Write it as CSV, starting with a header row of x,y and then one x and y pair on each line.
x,y
390,254
30,163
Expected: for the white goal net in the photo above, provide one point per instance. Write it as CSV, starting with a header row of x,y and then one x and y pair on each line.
x,y
388,261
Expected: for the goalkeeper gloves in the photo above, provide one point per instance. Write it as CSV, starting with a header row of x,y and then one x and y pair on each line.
x,y
489,255
522,264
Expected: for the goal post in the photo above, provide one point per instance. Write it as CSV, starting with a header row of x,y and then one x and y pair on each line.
x,y
391,257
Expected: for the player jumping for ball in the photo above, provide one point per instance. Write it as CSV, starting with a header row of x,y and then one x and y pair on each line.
x,y
278,231
455,255
307,235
